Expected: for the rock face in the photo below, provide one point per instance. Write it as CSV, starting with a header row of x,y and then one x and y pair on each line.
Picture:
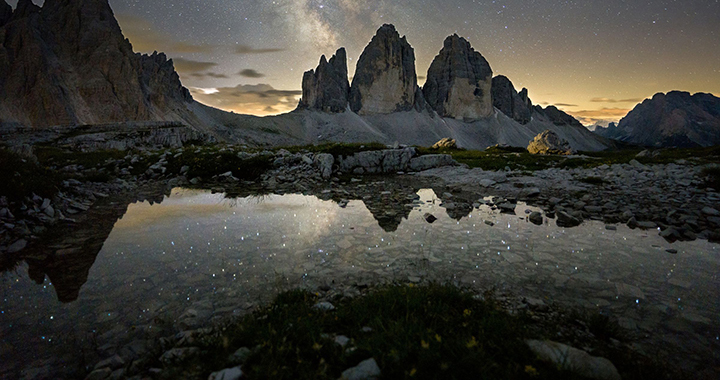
x,y
68,63
508,101
5,12
327,88
548,142
557,116
672,119
459,81
385,80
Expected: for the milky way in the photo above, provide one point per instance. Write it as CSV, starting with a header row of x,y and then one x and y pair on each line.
x,y
594,59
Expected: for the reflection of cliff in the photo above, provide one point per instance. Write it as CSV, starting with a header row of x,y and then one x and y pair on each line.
x,y
455,207
68,254
388,215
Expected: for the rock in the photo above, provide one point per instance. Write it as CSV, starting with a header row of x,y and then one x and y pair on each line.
x,y
647,225
87,72
430,161
99,374
327,88
430,218
5,13
234,373
325,306
574,360
459,82
566,220
710,211
113,362
385,80
17,246
548,142
176,355
673,251
240,355
366,370
342,340
536,218
610,227
324,163
507,207
445,143
508,101
675,119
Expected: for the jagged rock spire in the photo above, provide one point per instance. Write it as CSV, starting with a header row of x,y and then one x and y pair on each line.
x,y
5,12
459,81
509,102
327,87
385,80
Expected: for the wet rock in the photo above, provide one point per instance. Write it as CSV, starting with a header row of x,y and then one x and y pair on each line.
x,y
507,207
430,218
566,220
647,225
366,370
574,360
234,373
536,218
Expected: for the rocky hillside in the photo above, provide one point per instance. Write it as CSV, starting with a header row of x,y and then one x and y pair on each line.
x,y
675,119
68,63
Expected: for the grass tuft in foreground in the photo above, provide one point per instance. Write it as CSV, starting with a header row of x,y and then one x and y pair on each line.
x,y
428,332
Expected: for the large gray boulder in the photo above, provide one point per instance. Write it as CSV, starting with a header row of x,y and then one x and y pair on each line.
x,y
513,104
385,80
459,81
327,87
547,142
574,360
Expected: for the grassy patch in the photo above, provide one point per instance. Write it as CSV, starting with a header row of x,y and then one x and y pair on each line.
x,y
206,163
428,332
336,149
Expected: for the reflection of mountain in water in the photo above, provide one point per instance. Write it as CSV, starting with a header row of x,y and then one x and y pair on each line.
x,y
67,256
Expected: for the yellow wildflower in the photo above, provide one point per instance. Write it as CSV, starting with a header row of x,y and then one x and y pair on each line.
x,y
317,346
413,372
438,338
472,343
530,370
424,344
467,312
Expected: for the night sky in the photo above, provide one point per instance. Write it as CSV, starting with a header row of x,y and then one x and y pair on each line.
x,y
593,59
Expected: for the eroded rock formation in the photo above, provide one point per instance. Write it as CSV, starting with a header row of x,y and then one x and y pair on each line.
x,y
327,87
548,142
385,80
459,81
69,63
513,104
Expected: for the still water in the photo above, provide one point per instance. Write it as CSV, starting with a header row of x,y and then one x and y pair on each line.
x,y
198,256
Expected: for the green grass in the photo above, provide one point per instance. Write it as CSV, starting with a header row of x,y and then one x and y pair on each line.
x,y
428,332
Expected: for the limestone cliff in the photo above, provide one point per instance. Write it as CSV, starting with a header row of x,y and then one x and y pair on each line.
x,y
385,80
509,102
459,82
327,87
69,63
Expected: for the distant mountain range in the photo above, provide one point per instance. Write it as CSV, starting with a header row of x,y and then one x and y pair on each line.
x,y
675,119
68,63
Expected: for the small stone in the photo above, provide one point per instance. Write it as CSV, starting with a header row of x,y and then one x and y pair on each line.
x,y
489,223
366,370
342,340
326,306
647,225
673,251
240,355
430,218
536,218
234,373
17,246
610,227
710,211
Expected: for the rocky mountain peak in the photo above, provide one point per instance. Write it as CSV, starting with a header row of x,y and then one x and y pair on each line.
x,y
459,81
5,12
513,104
385,79
24,9
327,87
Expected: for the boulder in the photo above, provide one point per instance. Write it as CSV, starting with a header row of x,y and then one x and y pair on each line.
x,y
459,81
324,163
566,220
508,101
446,143
327,87
548,142
430,161
385,80
366,370
576,361
234,373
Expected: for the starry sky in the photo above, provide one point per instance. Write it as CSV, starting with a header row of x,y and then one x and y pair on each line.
x,y
593,59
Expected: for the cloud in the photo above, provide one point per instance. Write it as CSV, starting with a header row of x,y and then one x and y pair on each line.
x,y
565,105
146,39
603,115
209,75
250,73
188,66
260,99
244,49
609,100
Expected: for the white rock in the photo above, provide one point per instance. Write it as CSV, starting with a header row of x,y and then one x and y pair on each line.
x,y
366,370
574,360
324,306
